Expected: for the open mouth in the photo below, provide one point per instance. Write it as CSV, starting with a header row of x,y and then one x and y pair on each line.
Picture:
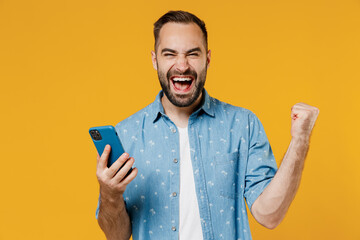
x,y
182,83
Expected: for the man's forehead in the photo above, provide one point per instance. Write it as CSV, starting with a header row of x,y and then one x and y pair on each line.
x,y
181,36
180,26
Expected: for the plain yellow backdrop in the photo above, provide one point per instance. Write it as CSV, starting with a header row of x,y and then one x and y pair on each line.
x,y
66,66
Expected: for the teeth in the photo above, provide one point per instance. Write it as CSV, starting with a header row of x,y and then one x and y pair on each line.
x,y
181,79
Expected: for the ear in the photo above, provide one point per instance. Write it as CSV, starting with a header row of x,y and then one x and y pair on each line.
x,y
208,57
153,59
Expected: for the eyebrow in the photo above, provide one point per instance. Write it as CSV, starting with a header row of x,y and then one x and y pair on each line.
x,y
197,49
168,50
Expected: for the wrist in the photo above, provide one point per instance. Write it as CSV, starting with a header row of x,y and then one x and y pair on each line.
x,y
305,139
300,146
116,203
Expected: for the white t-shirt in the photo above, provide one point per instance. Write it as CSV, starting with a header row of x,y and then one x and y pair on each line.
x,y
190,226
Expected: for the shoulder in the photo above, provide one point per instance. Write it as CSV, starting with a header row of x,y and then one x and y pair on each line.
x,y
226,109
134,121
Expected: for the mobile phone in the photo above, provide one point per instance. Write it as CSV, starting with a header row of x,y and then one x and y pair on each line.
x,y
104,135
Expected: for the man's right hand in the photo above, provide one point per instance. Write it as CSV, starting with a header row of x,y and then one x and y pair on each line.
x,y
112,182
113,218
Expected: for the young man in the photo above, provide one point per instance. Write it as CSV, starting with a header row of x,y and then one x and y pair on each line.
x,y
197,159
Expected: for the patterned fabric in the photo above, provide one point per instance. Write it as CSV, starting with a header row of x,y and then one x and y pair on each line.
x,y
231,158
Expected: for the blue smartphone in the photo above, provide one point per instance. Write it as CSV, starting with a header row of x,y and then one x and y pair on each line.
x,y
104,135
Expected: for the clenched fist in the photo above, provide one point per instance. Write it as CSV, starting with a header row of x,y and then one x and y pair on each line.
x,y
303,118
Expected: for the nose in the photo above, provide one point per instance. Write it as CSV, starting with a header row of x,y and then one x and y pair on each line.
x,y
181,64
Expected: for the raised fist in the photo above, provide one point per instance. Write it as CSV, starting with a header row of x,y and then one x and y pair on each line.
x,y
303,118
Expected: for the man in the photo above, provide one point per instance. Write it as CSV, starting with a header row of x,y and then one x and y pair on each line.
x,y
197,159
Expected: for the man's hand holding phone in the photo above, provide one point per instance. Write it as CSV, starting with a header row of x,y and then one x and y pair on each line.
x,y
113,181
113,218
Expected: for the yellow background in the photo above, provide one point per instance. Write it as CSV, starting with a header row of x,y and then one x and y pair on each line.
x,y
66,66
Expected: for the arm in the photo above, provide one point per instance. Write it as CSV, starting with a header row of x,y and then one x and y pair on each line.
x,y
271,206
113,218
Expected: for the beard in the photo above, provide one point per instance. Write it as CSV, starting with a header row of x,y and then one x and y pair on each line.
x,y
183,100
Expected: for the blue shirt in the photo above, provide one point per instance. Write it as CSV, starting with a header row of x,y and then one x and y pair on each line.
x,y
231,158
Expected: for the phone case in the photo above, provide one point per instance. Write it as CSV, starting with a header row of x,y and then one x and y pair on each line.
x,y
108,136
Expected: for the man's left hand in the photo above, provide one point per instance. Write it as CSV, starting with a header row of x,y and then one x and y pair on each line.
x,y
303,119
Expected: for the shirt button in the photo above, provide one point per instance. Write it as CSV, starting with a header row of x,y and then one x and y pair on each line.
x,y
173,228
173,130
174,194
175,160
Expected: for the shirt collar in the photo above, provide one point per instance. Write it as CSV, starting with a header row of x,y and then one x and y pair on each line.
x,y
158,109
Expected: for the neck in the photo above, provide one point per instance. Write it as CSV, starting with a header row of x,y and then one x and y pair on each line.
x,y
179,115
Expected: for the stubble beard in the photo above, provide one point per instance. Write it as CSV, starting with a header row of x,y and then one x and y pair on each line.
x,y
182,100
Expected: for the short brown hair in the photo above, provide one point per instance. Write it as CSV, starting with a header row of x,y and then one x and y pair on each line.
x,y
179,17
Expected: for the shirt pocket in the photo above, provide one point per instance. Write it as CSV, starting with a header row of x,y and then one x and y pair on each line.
x,y
226,174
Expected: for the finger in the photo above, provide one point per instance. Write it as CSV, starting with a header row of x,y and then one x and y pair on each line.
x,y
97,159
304,106
299,107
104,157
124,170
117,164
314,119
303,112
131,177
